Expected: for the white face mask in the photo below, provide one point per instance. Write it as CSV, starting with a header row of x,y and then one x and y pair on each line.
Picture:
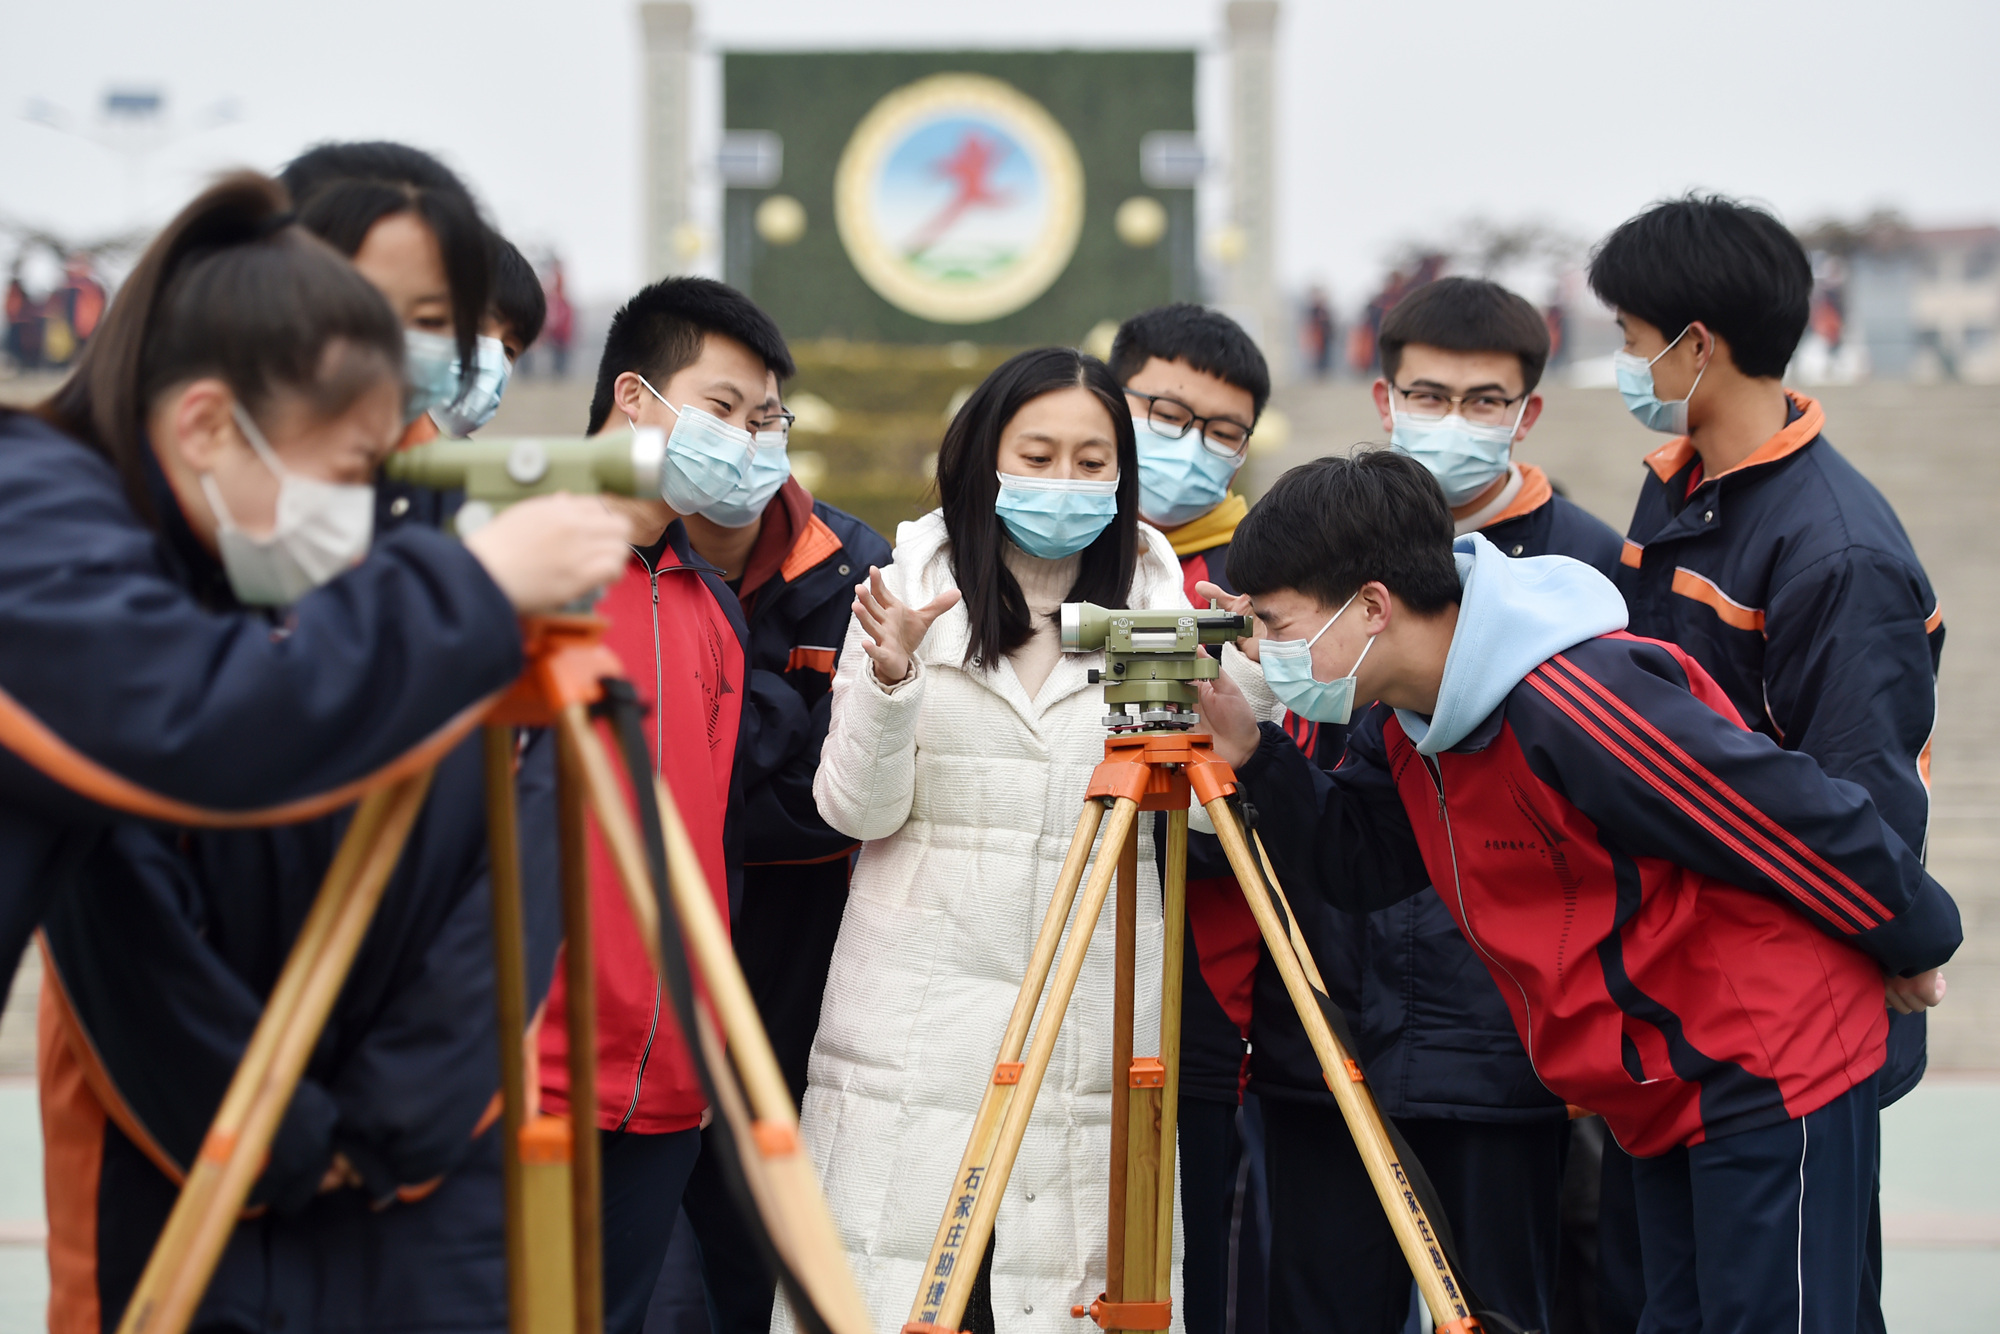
x,y
322,529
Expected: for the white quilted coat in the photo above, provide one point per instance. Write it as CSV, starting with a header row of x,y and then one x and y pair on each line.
x,y
966,793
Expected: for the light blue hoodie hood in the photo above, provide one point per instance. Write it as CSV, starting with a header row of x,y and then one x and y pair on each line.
x,y
1513,616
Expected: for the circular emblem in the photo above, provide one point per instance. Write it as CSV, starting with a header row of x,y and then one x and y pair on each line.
x,y
959,199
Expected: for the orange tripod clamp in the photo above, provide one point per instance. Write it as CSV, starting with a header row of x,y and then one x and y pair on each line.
x,y
1126,1315
566,661
1157,770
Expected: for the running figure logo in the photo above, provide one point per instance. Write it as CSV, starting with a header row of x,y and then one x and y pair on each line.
x,y
970,168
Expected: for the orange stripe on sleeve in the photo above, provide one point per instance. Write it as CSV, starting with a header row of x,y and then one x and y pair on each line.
x,y
1629,555
812,659
1935,619
1727,609
815,544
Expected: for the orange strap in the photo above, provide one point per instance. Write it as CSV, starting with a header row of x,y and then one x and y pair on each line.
x,y
31,739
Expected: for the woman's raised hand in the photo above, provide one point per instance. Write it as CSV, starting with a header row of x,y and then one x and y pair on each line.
x,y
894,630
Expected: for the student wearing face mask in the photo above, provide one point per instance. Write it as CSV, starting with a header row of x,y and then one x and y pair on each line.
x,y
1196,383
414,231
193,601
791,560
694,359
961,743
1760,550
513,321
1460,361
1690,924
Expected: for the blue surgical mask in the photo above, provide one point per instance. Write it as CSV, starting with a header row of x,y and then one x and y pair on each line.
x,y
770,465
1288,670
707,458
430,372
1635,386
1053,517
474,407
1465,457
1179,480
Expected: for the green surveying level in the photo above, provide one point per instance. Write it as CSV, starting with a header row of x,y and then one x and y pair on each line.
x,y
1151,659
497,473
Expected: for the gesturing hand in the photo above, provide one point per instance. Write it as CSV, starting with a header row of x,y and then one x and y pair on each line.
x,y
1238,603
895,629
1914,995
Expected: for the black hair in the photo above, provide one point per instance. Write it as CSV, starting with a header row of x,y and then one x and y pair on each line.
x,y
1466,315
1205,339
660,332
1330,526
518,301
345,189
1733,267
366,160
968,485
231,289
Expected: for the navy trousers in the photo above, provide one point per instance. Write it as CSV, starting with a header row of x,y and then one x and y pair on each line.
x,y
1763,1230
644,1176
1335,1265
1224,1220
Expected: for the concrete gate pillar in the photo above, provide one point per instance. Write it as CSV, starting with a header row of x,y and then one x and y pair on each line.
x,y
669,37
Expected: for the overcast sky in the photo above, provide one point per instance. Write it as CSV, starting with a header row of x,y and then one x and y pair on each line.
x,y
1396,120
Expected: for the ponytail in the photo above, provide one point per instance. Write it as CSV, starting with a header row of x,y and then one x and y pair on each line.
x,y
230,289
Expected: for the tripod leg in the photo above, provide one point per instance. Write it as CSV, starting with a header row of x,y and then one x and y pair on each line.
x,y
1128,1254
580,977
761,1115
982,1178
1173,903
232,1155
1406,1215
510,990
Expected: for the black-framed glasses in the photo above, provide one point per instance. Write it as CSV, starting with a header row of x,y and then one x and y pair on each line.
x,y
780,421
1223,437
1484,407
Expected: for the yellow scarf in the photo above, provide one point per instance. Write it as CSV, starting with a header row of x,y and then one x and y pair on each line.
x,y
1211,529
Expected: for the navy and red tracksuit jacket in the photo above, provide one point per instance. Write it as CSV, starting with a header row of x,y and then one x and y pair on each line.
x,y
1223,947
1429,1027
1791,581
122,640
1688,923
679,633
797,589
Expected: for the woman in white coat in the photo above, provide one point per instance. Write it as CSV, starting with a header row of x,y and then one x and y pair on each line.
x,y
961,744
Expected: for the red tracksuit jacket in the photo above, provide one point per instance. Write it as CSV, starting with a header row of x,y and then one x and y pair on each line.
x,y
678,631
1688,923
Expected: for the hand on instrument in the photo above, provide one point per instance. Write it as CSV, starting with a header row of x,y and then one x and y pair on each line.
x,y
1914,995
1238,603
549,551
894,629
1228,718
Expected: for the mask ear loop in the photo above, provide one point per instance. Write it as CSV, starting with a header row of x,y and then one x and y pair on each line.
x,y
258,446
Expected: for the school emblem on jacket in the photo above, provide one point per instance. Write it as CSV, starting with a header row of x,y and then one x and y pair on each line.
x,y
959,198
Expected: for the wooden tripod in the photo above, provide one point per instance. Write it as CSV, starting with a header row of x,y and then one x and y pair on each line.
x,y
554,1250
1154,771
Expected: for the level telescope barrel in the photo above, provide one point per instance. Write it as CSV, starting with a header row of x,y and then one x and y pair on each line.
x,y
1087,627
503,471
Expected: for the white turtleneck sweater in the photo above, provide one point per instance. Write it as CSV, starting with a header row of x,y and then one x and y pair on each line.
x,y
1045,583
